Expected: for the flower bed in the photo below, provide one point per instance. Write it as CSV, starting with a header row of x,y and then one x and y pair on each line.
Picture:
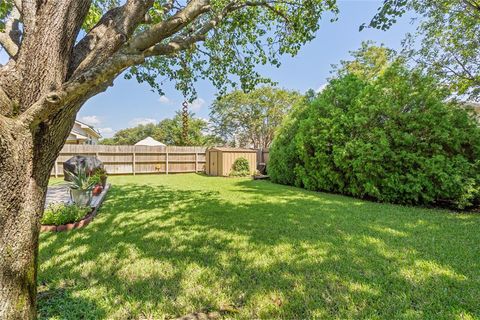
x,y
96,203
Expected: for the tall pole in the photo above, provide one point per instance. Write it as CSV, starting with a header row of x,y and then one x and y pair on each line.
x,y
185,122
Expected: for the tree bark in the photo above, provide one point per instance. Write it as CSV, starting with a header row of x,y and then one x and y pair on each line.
x,y
22,197
43,86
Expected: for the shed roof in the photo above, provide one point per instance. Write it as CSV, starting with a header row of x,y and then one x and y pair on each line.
x,y
228,149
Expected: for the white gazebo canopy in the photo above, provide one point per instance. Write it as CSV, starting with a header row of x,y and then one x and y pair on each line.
x,y
149,141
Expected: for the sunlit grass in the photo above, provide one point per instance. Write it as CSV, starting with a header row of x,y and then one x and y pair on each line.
x,y
166,246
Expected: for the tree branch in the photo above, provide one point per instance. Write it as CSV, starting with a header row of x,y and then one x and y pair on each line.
x,y
173,46
81,86
18,4
10,39
182,43
162,30
108,35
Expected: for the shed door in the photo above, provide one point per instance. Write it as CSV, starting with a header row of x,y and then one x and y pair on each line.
x,y
213,163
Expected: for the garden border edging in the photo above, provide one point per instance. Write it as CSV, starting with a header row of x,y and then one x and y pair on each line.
x,y
81,223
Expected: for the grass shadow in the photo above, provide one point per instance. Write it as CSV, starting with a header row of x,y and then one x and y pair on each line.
x,y
163,247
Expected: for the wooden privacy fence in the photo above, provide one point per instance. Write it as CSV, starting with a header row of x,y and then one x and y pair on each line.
x,y
137,159
262,155
142,159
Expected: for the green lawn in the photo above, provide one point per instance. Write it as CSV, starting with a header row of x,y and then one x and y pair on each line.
x,y
166,246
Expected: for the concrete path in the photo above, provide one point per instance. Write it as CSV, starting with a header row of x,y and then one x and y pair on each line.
x,y
58,193
61,193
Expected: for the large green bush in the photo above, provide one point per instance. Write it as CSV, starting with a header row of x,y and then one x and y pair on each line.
x,y
392,138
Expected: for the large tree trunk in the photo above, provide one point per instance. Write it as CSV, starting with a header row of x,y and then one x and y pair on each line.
x,y
43,86
22,196
26,161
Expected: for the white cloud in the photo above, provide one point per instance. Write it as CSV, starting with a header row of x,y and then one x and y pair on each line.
x,y
197,104
137,121
106,132
91,120
321,88
164,100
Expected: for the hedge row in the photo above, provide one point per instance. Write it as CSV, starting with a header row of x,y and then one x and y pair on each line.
x,y
391,139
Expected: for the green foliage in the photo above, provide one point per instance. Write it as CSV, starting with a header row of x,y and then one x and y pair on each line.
x,y
369,62
240,168
388,14
253,33
251,118
448,36
251,36
241,164
60,213
95,179
392,139
168,131
130,136
281,166
100,171
81,180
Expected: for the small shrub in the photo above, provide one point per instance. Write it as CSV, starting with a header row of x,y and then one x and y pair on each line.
x,y
60,213
240,168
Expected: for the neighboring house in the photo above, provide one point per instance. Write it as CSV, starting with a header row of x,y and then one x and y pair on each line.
x,y
82,133
149,141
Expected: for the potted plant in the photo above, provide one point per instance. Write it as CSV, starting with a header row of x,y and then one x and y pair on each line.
x,y
81,187
102,175
97,183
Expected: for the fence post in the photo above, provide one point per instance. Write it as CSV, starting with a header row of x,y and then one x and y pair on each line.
x,y
133,161
196,162
166,162
56,168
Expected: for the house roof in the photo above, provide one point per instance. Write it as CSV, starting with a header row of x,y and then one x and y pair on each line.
x,y
78,136
89,128
149,141
228,149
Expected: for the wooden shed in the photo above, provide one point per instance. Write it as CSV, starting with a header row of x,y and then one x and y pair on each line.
x,y
219,160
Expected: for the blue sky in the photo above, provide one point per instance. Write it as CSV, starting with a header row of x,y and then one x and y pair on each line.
x,y
128,103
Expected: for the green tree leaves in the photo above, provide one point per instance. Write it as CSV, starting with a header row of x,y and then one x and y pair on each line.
x,y
251,118
168,131
446,42
391,138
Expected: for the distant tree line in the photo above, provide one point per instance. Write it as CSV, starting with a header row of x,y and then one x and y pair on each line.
x,y
167,131
236,119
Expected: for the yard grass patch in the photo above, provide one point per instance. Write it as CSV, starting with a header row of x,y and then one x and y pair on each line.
x,y
166,246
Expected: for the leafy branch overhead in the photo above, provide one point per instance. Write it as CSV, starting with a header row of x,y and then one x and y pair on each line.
x,y
446,40
63,52
162,40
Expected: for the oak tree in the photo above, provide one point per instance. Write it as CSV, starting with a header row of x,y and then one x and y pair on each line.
x,y
63,52
250,119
